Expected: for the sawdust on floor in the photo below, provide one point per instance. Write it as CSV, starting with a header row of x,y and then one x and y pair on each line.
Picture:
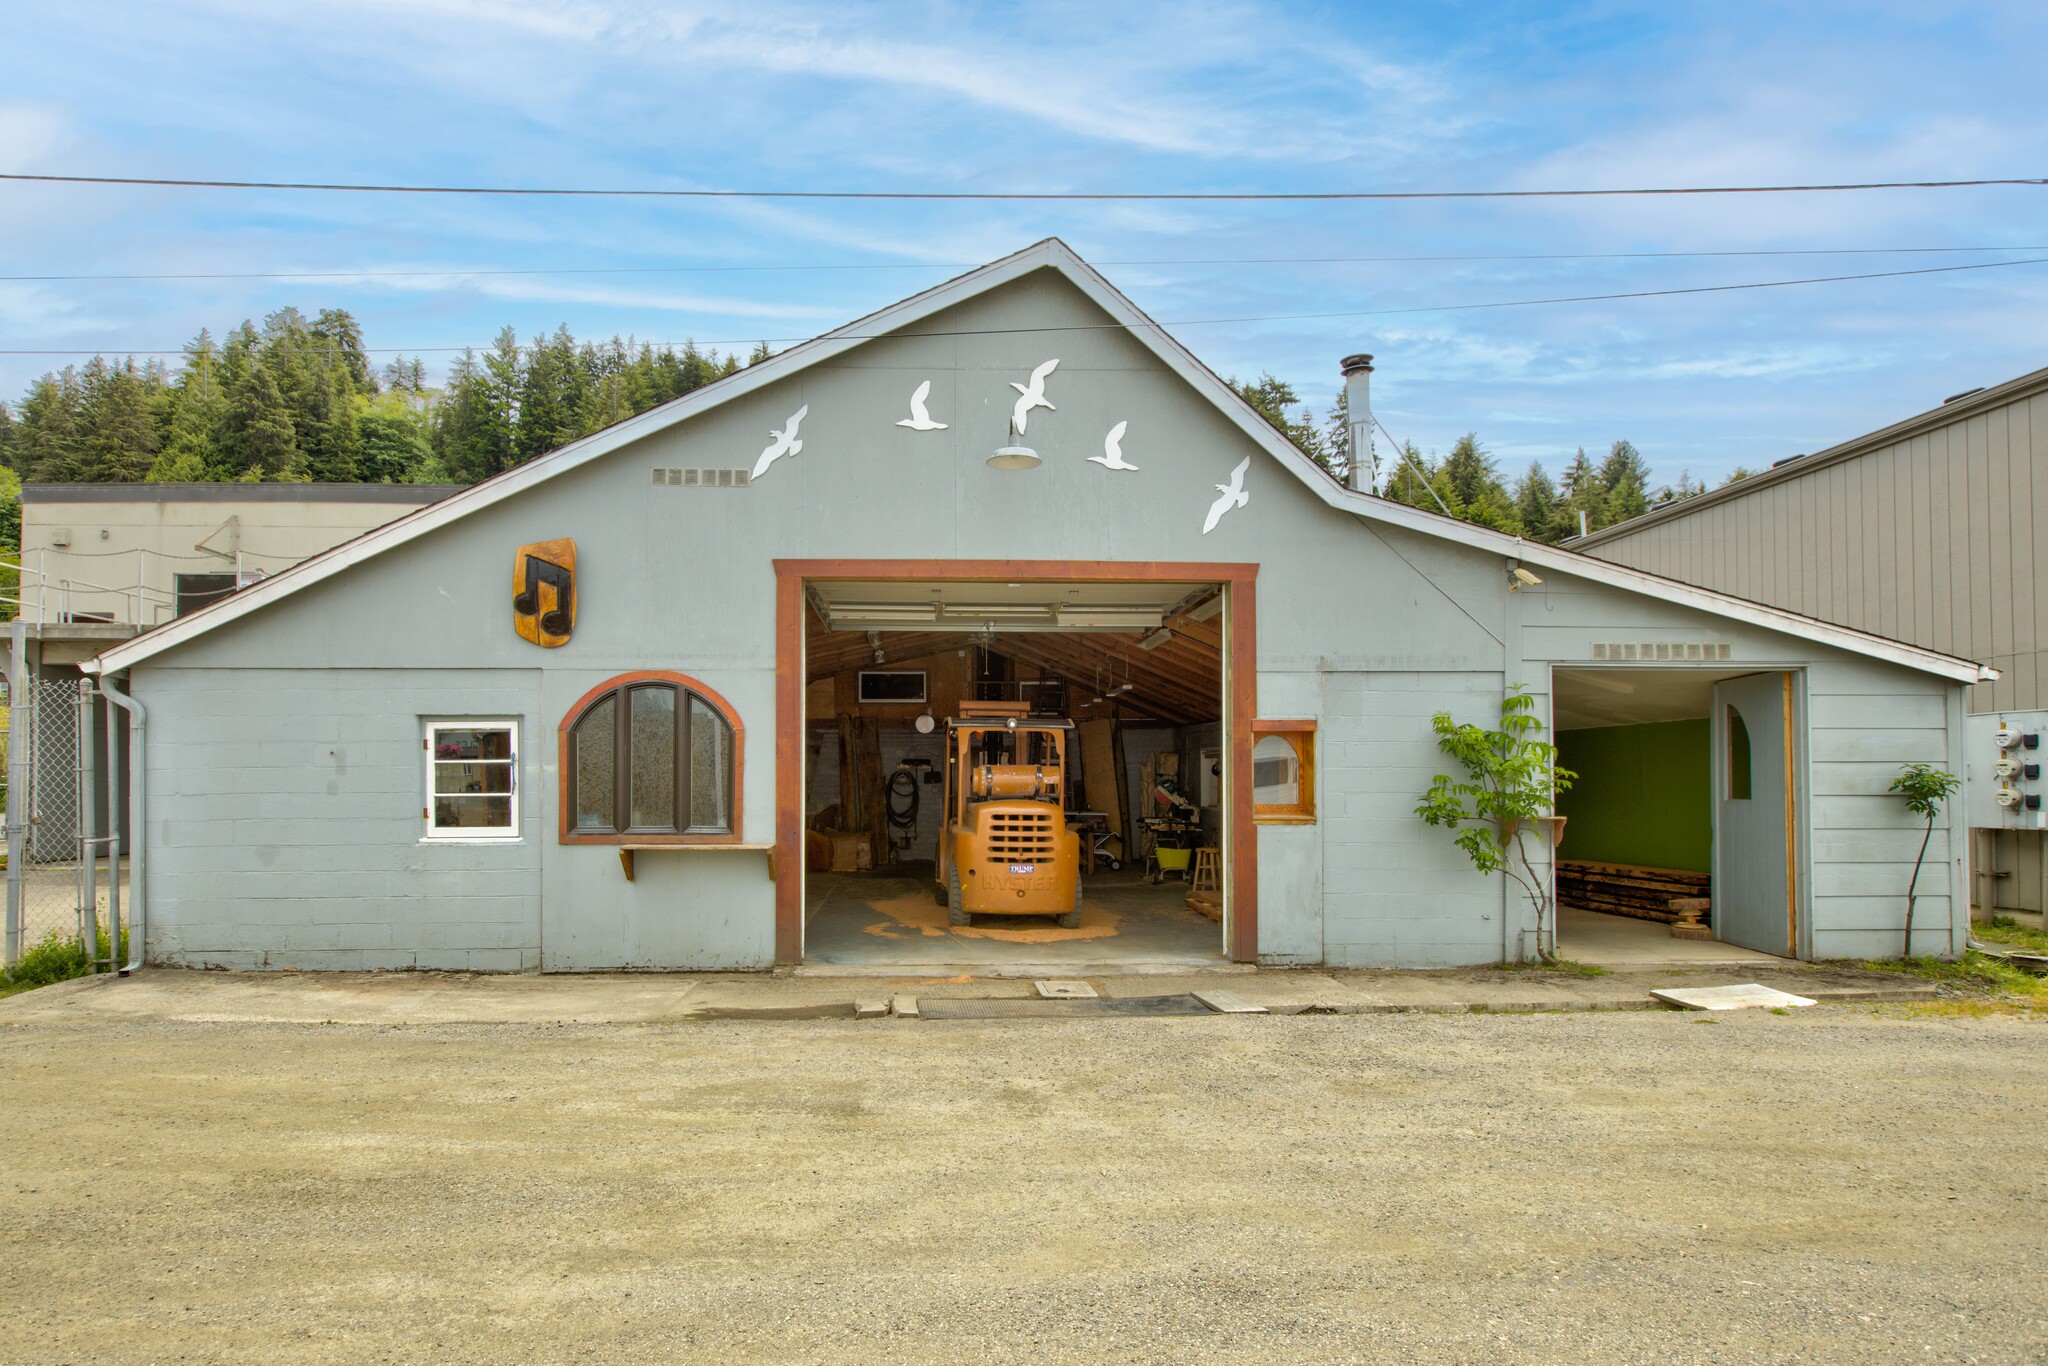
x,y
918,914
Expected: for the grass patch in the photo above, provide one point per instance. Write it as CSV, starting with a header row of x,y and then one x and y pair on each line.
x,y
2010,933
55,958
1975,1008
1974,974
1565,965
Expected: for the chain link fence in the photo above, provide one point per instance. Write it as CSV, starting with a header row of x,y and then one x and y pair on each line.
x,y
53,887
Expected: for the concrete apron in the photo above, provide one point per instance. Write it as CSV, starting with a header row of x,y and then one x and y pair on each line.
x,y
434,998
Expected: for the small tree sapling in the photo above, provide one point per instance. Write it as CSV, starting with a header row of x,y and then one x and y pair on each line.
x,y
1509,790
1924,788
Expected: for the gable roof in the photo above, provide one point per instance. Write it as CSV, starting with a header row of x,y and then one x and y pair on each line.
x,y
1957,409
1051,254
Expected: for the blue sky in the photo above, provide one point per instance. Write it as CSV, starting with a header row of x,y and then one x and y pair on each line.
x,y
1080,97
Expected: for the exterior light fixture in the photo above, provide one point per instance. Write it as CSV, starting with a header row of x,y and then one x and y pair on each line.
x,y
1015,456
1519,578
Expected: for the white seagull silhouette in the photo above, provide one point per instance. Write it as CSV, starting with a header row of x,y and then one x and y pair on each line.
x,y
785,442
1112,457
1034,396
1233,493
920,420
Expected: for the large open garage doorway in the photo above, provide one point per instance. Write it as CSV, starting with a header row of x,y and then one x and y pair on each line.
x,y
1032,772
1682,832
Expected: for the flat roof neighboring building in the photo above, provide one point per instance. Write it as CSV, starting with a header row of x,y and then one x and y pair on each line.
x,y
101,562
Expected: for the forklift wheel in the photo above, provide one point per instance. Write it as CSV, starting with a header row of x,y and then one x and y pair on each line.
x,y
954,915
1072,919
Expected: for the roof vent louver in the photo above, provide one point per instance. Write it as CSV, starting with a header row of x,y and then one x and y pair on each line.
x,y
1638,652
696,478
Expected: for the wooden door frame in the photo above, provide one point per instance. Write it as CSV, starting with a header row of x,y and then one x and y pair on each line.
x,y
1241,679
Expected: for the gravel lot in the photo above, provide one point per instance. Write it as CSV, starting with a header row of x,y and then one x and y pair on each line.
x,y
1840,1184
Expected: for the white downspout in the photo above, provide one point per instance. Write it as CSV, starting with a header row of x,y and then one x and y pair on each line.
x,y
137,718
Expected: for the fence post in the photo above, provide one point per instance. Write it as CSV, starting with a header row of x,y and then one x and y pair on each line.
x,y
88,889
18,722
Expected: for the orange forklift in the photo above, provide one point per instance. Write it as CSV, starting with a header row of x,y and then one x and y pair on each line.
x,y
1006,848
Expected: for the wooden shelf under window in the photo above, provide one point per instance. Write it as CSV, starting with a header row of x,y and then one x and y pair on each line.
x,y
626,852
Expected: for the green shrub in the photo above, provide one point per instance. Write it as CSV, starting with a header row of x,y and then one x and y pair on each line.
x,y
55,958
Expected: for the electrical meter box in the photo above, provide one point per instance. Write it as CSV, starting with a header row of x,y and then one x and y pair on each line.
x,y
2003,788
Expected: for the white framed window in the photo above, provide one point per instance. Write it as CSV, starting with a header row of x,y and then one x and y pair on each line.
x,y
472,779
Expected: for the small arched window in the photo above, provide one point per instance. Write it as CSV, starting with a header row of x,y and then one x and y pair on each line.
x,y
650,757
1738,757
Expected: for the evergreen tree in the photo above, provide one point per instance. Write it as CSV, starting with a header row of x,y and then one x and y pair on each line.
x,y
1737,475
1538,506
325,424
551,396
1686,487
759,353
1626,477
1414,479
117,437
337,329
191,450
7,424
257,438
46,442
1336,441
473,436
697,368
1273,398
1585,497
405,376
1476,493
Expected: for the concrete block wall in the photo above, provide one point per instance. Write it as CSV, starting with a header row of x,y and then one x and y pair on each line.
x,y
1395,892
285,827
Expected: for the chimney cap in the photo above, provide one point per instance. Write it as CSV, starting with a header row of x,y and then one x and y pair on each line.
x,y
1349,364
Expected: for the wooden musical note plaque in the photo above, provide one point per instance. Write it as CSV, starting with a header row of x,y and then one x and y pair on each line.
x,y
544,592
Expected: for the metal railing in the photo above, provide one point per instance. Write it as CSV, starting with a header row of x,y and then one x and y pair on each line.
x,y
47,595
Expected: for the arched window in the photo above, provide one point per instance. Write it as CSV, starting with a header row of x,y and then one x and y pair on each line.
x,y
1738,757
651,757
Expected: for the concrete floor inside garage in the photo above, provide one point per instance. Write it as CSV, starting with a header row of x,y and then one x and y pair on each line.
x,y
890,917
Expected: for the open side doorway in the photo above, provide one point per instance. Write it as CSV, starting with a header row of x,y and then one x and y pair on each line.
x,y
1658,862
1136,667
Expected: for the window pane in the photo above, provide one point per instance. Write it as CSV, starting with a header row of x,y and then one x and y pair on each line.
x,y
1275,779
652,762
491,743
473,813
595,738
710,768
479,777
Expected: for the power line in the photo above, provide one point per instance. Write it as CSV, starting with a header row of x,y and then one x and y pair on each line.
x,y
1008,195
1183,322
455,272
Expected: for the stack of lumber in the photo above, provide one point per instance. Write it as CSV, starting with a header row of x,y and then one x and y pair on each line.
x,y
1207,903
1629,889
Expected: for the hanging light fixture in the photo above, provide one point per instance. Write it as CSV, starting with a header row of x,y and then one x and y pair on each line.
x,y
1015,456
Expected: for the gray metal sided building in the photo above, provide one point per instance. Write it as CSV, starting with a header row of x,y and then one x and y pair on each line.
x,y
360,762
1933,530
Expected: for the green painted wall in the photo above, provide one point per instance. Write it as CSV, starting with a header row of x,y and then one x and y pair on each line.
x,y
1644,794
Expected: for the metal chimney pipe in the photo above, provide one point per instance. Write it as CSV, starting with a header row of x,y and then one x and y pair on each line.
x,y
1359,475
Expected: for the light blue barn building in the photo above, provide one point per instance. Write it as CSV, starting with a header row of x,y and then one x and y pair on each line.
x,y
360,763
